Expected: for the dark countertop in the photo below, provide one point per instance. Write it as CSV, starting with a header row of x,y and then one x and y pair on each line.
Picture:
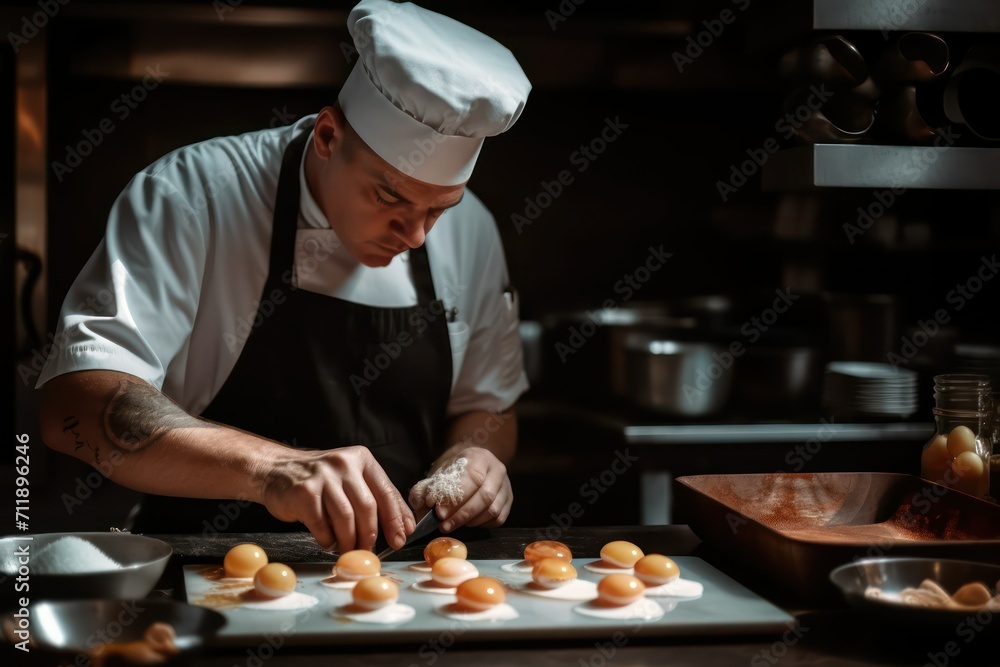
x,y
828,637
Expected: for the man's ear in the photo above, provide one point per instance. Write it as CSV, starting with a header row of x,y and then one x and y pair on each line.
x,y
329,132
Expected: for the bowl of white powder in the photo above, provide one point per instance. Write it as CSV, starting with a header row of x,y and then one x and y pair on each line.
x,y
84,565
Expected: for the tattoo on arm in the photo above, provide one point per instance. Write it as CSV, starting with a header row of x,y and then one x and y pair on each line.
x,y
139,415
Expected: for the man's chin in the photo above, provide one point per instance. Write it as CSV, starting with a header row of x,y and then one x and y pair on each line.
x,y
375,261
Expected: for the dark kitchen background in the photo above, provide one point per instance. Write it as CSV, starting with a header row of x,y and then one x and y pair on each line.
x,y
691,95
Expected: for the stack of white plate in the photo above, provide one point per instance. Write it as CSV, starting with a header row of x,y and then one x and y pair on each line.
x,y
856,388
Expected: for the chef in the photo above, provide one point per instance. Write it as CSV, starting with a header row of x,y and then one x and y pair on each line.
x,y
306,324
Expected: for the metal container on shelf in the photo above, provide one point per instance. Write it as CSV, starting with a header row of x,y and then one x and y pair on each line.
x,y
583,352
680,378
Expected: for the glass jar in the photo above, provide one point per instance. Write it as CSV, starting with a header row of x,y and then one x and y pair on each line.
x,y
958,454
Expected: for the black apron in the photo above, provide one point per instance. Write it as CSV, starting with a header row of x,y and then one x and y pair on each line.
x,y
320,372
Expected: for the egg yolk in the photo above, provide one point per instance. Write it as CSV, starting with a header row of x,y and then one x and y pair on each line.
x,y
656,570
356,565
934,459
621,554
450,571
536,551
274,580
618,590
244,560
961,439
444,547
975,594
375,593
552,572
480,594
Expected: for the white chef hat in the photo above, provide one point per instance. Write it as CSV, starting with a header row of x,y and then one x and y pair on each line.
x,y
427,89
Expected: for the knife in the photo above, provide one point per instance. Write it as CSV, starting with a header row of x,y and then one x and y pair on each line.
x,y
428,524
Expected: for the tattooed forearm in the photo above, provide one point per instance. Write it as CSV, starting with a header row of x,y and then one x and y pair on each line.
x,y
139,415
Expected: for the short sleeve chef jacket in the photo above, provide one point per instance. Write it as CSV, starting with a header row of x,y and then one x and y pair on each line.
x,y
171,293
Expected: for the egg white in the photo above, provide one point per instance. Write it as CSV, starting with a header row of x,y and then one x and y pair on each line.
x,y
576,590
341,583
523,567
640,610
678,588
391,615
294,600
501,612
600,567
431,586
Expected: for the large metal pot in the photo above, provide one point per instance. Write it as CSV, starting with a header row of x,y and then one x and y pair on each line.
x,y
582,353
584,350
681,378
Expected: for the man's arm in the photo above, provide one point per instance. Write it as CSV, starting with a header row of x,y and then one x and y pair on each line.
x,y
487,441
141,439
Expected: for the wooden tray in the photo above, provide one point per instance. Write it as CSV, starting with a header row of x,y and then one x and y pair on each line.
x,y
725,608
794,528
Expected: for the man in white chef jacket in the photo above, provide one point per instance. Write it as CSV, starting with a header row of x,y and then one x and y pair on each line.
x,y
299,339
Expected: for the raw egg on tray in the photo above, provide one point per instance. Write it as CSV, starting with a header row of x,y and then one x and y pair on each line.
x,y
274,580
480,599
438,548
446,574
616,557
352,567
535,552
662,577
275,590
376,600
620,596
553,572
243,561
556,579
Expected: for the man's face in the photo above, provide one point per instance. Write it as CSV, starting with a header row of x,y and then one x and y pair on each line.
x,y
376,211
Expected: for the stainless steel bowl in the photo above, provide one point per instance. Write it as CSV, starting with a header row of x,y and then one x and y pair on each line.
x,y
893,574
76,631
688,379
143,561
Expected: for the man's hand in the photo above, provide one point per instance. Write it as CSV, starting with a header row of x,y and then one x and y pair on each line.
x,y
341,495
486,492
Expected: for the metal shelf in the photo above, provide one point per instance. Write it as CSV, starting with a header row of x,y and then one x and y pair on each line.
x,y
720,434
874,166
626,428
785,22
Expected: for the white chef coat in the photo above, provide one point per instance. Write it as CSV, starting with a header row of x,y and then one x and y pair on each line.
x,y
171,293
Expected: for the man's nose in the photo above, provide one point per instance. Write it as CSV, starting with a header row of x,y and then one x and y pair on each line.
x,y
411,231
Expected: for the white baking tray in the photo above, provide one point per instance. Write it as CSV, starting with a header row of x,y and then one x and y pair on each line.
x,y
725,608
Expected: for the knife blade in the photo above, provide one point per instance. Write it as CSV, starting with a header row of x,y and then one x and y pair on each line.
x,y
428,524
